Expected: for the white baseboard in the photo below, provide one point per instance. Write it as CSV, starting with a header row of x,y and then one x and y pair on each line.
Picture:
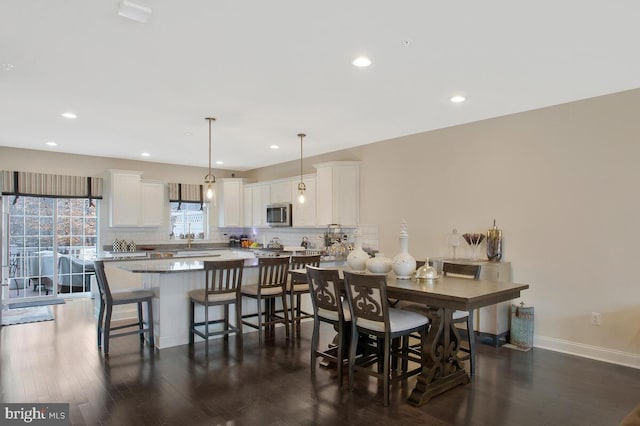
x,y
627,359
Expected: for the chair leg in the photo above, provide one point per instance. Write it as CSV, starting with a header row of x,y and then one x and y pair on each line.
x,y
293,313
239,323
260,322
285,312
472,344
107,329
206,329
352,353
100,322
339,356
152,339
226,322
315,337
141,323
191,322
385,372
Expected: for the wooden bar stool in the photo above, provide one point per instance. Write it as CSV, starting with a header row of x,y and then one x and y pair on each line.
x,y
296,289
109,299
222,288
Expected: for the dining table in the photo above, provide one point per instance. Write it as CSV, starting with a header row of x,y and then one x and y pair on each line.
x,y
442,368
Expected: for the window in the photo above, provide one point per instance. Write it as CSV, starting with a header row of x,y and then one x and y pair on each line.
x,y
52,244
190,218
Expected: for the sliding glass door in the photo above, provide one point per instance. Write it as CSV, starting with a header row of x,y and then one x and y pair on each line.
x,y
50,245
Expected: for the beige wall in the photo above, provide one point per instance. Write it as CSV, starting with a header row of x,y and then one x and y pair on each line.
x,y
562,182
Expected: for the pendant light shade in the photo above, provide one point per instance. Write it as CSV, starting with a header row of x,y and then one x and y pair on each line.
x,y
210,179
301,186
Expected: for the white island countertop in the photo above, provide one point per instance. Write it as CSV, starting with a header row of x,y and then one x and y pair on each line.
x,y
177,265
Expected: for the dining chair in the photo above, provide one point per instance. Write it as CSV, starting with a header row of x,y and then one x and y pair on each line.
x,y
222,288
326,290
271,285
471,272
296,288
109,299
372,315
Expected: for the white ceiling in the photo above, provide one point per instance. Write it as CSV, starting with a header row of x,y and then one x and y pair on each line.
x,y
268,70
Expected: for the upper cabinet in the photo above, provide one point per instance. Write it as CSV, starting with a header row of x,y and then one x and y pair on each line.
x,y
337,192
230,199
134,202
304,214
256,198
281,192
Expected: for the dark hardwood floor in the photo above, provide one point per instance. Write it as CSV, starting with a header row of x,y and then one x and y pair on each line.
x,y
58,361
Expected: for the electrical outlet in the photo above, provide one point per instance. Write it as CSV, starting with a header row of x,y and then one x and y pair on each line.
x,y
596,318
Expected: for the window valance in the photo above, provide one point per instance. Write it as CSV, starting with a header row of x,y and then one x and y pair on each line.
x,y
47,185
186,193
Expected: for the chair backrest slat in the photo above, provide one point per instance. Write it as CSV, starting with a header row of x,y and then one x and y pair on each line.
x,y
299,262
273,271
103,283
325,287
223,276
367,295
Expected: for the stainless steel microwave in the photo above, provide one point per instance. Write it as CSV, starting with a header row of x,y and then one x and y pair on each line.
x,y
279,214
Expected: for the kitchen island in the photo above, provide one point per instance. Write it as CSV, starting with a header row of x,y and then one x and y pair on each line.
x,y
172,279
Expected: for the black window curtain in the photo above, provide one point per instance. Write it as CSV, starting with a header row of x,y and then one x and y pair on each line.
x,y
32,184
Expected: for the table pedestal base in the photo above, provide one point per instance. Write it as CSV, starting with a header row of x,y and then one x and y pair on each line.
x,y
441,367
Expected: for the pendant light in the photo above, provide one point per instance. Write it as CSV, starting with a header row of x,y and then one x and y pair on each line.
x,y
210,179
301,186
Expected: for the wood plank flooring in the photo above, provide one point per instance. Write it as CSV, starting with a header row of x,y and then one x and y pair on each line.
x,y
58,361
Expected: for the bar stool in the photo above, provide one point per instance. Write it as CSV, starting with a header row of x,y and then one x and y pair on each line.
x,y
109,299
326,290
222,288
272,283
296,289
371,314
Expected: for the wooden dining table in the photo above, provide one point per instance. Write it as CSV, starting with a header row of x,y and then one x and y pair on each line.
x,y
441,367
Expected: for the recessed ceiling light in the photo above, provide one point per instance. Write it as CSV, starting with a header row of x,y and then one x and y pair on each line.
x,y
362,62
51,143
458,99
219,162
69,115
274,147
145,154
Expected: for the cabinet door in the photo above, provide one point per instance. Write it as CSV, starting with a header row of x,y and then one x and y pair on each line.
x,y
324,195
304,214
125,200
261,197
230,203
152,204
281,192
345,195
248,207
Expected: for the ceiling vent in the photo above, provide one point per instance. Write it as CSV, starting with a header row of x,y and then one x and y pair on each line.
x,y
135,12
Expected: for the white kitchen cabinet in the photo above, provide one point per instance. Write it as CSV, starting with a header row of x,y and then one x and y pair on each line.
x,y
256,198
304,214
230,200
281,192
261,196
247,216
491,321
152,212
134,202
338,192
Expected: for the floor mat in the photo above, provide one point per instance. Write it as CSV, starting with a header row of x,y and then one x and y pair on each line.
x,y
27,315
36,303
